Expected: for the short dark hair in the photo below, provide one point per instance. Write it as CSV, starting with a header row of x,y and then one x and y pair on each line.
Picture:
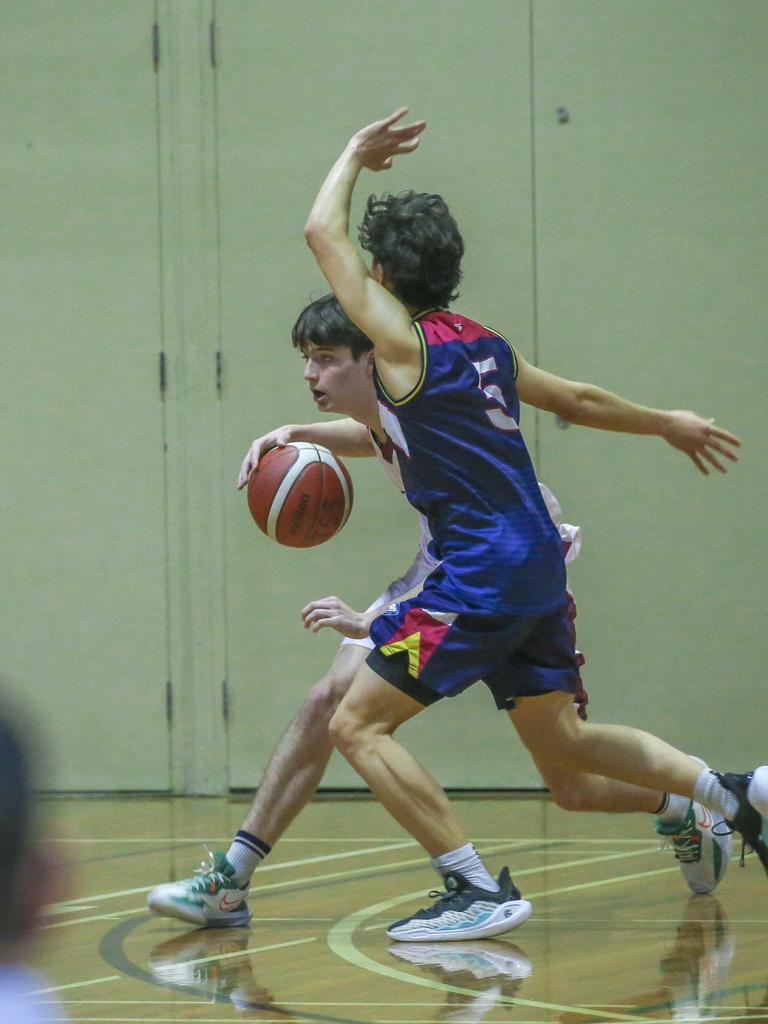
x,y
324,323
418,244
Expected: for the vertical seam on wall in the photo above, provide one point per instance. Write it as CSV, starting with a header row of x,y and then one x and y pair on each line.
x,y
220,348
163,397
534,232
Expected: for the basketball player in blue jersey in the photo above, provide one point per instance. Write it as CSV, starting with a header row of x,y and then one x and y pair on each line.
x,y
449,392
339,374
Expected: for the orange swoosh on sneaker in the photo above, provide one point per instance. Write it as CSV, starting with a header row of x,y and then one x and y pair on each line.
x,y
226,903
706,820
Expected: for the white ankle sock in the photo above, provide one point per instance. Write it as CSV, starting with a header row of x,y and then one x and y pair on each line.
x,y
466,861
710,792
675,809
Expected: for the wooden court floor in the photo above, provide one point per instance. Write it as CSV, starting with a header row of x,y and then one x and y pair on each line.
x,y
614,934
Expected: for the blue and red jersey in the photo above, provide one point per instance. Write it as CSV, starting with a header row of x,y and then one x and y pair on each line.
x,y
466,468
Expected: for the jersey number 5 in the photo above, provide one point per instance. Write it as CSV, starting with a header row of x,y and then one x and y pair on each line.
x,y
499,417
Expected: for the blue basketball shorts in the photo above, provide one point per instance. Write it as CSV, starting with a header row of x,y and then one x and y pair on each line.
x,y
431,654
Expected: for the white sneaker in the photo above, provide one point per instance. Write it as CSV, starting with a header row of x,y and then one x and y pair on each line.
x,y
465,911
210,899
702,844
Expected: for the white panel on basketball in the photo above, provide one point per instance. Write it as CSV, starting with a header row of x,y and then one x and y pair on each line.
x,y
307,454
329,459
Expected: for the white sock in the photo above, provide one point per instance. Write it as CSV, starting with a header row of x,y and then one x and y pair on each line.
x,y
675,809
710,792
676,806
245,854
466,861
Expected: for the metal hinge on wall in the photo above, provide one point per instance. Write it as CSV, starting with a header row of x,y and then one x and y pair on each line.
x,y
219,372
225,700
212,45
155,46
169,702
161,372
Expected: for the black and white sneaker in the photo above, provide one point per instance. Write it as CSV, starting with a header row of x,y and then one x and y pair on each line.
x,y
465,911
751,819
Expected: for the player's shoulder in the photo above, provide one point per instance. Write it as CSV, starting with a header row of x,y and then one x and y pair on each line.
x,y
445,325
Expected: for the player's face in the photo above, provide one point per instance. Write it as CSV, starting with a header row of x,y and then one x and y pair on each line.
x,y
338,382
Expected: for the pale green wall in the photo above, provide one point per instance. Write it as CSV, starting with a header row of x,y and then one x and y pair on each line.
x,y
155,210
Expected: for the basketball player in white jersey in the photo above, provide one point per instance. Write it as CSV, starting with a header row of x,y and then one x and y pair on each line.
x,y
338,371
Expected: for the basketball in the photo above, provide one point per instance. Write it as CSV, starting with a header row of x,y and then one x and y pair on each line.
x,y
300,495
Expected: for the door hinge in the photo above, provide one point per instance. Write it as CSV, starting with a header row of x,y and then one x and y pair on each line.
x,y
219,371
156,46
212,44
161,371
225,700
169,702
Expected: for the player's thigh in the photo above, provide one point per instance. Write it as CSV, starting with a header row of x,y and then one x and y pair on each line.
x,y
372,703
547,724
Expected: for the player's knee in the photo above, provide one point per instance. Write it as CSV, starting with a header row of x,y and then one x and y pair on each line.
x,y
570,797
342,730
325,696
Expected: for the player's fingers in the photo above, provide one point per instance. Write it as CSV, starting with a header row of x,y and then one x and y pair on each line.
x,y
725,435
395,116
407,130
711,443
698,463
713,460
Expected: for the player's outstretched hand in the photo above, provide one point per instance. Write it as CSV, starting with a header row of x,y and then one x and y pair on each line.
x,y
274,439
333,612
701,440
379,143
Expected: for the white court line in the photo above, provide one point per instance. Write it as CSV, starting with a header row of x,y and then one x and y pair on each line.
x,y
358,871
77,984
197,841
76,904
241,952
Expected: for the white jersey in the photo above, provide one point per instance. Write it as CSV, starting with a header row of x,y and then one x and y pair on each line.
x,y
24,998
412,580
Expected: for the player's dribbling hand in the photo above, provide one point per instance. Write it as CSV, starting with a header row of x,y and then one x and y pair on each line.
x,y
274,439
701,440
379,143
334,613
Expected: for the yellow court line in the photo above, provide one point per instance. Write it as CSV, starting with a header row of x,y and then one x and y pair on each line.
x,y
340,937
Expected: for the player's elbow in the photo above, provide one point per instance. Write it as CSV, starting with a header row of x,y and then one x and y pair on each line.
x,y
317,235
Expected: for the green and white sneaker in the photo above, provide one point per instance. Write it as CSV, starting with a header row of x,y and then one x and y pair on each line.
x,y
211,899
465,911
702,845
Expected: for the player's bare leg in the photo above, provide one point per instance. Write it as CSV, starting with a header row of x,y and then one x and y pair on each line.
x,y
300,758
362,729
550,728
216,894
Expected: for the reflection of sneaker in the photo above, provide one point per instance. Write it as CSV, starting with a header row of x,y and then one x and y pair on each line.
x,y
695,970
499,966
465,911
211,898
751,819
211,961
481,959
702,844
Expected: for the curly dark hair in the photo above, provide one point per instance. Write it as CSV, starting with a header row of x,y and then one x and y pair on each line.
x,y
418,244
324,323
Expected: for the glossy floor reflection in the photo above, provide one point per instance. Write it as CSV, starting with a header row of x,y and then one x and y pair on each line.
x,y
614,936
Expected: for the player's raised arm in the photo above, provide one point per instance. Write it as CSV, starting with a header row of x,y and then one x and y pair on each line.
x,y
366,301
590,406
346,438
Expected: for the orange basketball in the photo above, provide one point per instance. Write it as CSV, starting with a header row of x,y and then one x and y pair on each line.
x,y
300,495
